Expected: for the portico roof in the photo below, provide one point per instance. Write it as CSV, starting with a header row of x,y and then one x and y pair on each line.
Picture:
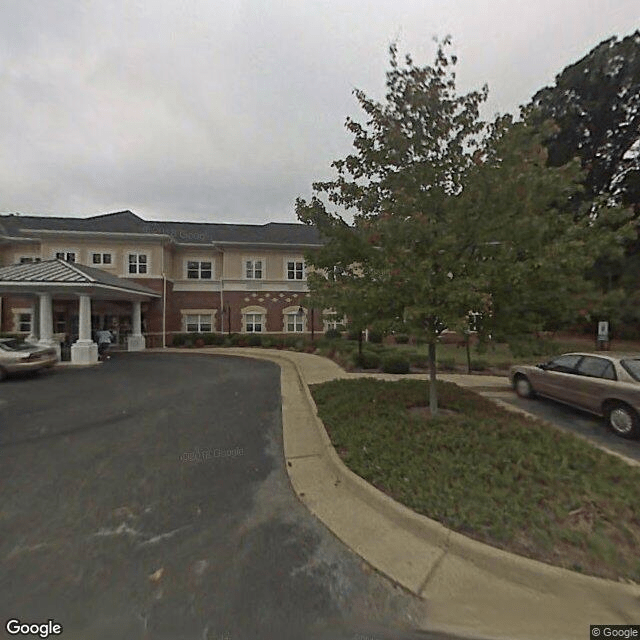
x,y
64,278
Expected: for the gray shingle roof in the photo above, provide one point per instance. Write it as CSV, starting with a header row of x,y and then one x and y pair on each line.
x,y
58,271
288,234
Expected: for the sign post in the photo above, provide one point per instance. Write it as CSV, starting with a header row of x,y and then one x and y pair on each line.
x,y
602,342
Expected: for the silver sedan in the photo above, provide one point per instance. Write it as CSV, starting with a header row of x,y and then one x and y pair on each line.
x,y
18,356
605,384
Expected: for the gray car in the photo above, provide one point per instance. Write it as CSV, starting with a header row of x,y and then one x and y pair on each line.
x,y
606,385
18,356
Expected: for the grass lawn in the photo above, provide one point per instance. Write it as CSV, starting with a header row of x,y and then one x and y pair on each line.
x,y
506,480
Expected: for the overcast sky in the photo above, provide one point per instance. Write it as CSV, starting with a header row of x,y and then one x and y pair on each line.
x,y
226,111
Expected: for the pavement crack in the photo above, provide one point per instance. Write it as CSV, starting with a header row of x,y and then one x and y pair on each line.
x,y
163,536
436,565
125,529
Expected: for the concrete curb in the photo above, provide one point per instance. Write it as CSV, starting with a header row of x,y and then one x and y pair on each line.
x,y
472,588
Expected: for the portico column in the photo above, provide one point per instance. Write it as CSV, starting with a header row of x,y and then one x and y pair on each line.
x,y
84,319
84,350
136,341
46,322
46,318
33,334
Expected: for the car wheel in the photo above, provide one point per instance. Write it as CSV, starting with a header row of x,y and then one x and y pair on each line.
x,y
523,387
623,420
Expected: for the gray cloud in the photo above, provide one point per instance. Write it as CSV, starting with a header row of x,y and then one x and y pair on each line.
x,y
227,111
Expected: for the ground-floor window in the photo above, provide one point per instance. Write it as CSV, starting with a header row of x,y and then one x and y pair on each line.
x,y
253,322
198,323
25,322
60,320
331,321
294,322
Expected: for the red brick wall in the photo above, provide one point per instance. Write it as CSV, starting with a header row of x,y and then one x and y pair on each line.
x,y
274,302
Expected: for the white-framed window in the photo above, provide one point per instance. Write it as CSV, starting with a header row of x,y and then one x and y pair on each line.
x,y
331,321
294,320
23,320
99,257
295,269
138,263
69,256
199,269
198,320
254,322
253,319
198,323
28,259
295,323
254,268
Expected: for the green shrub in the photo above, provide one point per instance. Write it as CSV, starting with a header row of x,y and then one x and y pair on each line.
x,y
214,339
254,340
177,339
375,337
479,365
352,334
395,364
237,340
332,334
401,338
446,364
267,342
419,360
368,360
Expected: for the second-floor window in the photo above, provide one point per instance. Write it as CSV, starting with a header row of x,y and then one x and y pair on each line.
x,y
295,270
137,263
69,256
254,269
101,258
198,270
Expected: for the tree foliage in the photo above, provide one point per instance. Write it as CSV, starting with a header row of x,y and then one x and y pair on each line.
x,y
449,215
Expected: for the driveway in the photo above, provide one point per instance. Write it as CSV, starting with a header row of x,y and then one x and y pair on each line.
x,y
147,499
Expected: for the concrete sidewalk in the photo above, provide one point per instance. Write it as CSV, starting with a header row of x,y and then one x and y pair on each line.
x,y
472,589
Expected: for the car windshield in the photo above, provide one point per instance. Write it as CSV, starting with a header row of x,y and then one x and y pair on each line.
x,y
632,367
13,345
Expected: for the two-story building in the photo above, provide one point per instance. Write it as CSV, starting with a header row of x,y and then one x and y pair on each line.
x,y
151,279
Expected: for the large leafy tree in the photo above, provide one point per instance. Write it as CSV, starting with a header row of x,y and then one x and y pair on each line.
x,y
449,216
409,162
596,105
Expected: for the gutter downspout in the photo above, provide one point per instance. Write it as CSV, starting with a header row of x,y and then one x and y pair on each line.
x,y
164,303
221,292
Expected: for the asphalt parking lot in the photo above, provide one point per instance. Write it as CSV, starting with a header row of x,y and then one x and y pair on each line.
x,y
575,421
146,498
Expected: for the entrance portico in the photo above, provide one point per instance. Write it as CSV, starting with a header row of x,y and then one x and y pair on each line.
x,y
62,282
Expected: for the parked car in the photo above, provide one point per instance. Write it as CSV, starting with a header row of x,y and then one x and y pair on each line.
x,y
605,385
18,356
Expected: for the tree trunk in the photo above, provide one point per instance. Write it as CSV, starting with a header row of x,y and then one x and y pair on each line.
x,y
433,392
360,343
468,345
